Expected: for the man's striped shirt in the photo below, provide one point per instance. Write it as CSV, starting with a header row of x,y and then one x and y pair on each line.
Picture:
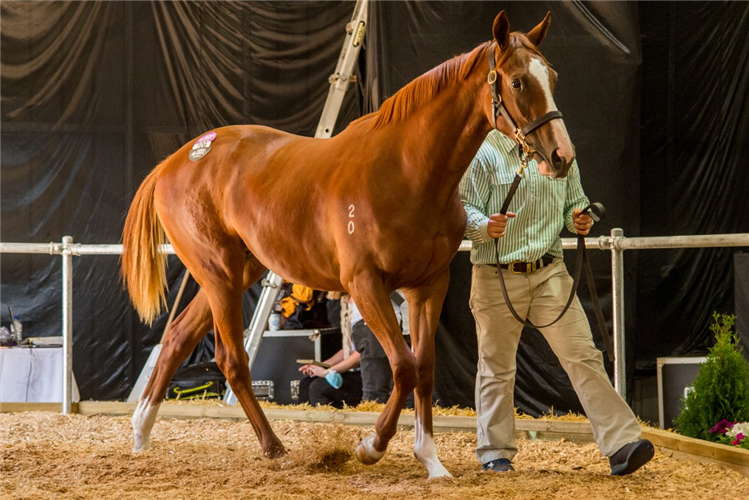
x,y
543,205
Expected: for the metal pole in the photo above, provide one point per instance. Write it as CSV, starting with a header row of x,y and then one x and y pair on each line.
x,y
173,312
617,300
67,324
688,241
339,81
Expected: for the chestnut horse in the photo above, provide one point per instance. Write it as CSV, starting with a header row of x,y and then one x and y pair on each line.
x,y
373,209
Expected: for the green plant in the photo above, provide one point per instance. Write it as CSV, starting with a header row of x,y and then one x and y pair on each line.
x,y
721,389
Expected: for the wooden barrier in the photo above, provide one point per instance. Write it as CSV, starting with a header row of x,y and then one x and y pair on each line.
x,y
696,450
525,428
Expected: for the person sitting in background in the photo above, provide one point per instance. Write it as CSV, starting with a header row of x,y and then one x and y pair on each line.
x,y
374,380
332,386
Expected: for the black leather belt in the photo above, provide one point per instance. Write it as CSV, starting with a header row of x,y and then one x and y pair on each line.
x,y
519,267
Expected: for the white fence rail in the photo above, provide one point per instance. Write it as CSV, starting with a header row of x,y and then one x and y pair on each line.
x,y
616,243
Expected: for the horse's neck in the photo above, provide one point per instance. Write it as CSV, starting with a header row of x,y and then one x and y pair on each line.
x,y
450,133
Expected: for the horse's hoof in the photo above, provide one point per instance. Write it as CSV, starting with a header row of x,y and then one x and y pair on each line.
x,y
274,451
439,471
433,466
366,453
141,445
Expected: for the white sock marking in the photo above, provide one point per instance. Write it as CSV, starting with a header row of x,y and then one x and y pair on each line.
x,y
426,452
368,444
142,421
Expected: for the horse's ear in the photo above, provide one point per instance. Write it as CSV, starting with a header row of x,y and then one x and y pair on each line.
x,y
537,34
501,30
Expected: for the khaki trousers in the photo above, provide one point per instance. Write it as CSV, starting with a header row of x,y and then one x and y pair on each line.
x,y
539,296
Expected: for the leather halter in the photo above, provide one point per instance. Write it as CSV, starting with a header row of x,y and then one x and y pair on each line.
x,y
499,109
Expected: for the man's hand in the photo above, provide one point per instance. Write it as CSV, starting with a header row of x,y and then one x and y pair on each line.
x,y
583,222
497,224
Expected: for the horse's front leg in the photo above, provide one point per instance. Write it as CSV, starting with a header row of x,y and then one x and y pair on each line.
x,y
373,301
424,306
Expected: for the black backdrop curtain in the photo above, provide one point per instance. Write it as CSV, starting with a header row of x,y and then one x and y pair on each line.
x,y
695,137
95,94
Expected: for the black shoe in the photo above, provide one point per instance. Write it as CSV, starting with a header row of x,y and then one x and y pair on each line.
x,y
499,465
631,457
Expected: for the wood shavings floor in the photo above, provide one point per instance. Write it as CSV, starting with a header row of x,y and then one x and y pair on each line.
x,y
49,456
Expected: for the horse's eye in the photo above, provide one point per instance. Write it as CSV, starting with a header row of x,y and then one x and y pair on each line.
x,y
515,84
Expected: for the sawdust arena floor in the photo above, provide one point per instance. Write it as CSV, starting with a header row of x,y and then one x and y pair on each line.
x,y
49,455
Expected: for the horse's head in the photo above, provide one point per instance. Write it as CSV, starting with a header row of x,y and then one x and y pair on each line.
x,y
522,84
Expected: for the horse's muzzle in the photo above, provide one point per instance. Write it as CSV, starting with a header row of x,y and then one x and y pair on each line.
x,y
559,164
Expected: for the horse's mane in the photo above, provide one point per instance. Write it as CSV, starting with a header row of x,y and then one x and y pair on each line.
x,y
423,89
401,104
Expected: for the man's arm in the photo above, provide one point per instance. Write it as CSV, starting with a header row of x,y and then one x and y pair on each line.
x,y
575,202
475,190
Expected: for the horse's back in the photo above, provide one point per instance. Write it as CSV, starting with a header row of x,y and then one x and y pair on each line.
x,y
254,188
312,210
228,154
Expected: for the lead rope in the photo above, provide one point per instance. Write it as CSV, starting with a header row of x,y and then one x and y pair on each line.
x,y
575,282
580,257
582,262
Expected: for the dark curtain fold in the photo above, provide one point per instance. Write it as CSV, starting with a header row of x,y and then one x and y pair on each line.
x,y
695,91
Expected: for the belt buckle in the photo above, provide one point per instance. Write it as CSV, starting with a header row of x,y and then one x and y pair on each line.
x,y
529,267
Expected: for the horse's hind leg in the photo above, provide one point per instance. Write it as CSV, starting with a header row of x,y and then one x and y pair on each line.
x,y
224,292
373,301
424,306
192,324
183,335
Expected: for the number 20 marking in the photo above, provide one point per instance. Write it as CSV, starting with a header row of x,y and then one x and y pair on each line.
x,y
351,226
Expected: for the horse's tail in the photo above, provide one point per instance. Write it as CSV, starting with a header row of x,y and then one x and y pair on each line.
x,y
143,267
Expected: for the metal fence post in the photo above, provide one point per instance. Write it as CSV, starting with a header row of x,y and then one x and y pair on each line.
x,y
67,324
617,301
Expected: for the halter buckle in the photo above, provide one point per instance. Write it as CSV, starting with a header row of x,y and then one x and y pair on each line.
x,y
526,153
492,78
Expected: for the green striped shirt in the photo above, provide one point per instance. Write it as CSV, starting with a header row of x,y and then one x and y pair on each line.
x,y
543,205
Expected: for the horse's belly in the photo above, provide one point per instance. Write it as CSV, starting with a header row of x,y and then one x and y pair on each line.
x,y
303,259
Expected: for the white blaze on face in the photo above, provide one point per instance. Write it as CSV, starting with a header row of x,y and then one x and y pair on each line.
x,y
540,72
